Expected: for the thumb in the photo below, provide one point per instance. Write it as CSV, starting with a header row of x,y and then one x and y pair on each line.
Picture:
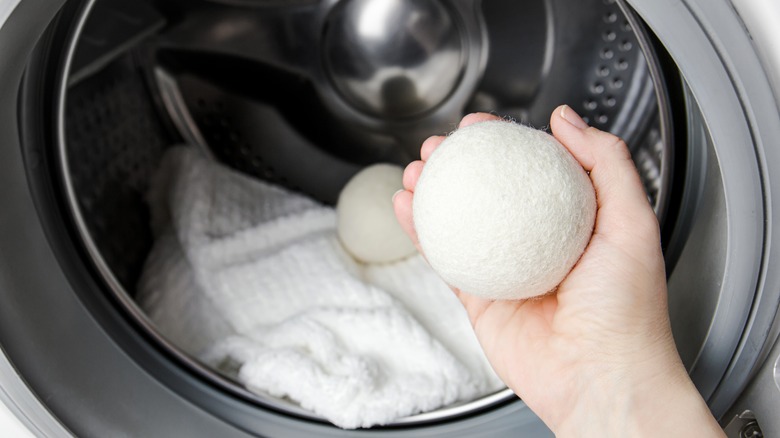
x,y
623,207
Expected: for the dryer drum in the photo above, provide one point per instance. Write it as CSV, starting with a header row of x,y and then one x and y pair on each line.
x,y
291,93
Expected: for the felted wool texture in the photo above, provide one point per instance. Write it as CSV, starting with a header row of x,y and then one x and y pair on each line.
x,y
366,221
251,279
503,211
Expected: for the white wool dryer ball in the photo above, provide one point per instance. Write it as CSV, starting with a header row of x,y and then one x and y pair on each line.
x,y
366,221
503,211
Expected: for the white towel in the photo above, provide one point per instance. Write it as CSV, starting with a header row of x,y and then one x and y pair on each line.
x,y
243,272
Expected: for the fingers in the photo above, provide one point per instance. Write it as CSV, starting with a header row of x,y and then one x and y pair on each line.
x,y
583,142
429,146
620,193
412,174
402,204
476,118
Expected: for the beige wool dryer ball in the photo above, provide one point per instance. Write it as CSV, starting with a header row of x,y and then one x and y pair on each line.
x,y
503,211
366,222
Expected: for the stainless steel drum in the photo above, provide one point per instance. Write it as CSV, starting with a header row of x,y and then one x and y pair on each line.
x,y
305,94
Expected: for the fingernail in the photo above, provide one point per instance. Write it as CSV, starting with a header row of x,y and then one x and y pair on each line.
x,y
573,118
397,193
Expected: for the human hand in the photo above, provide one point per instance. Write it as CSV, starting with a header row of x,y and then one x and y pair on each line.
x,y
597,357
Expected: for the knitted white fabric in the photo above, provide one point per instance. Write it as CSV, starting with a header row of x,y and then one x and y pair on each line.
x,y
248,273
503,211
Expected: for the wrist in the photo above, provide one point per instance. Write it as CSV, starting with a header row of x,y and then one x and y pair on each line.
x,y
655,398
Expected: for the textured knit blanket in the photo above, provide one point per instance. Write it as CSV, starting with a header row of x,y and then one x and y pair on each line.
x,y
249,274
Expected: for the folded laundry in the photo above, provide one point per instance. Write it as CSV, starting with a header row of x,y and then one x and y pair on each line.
x,y
249,274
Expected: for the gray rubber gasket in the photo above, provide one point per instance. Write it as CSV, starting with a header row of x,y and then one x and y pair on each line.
x,y
713,52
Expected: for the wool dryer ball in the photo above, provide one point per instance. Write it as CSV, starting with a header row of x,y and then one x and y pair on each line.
x,y
366,222
503,211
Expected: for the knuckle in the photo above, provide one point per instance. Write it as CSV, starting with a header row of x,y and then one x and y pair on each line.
x,y
611,142
618,146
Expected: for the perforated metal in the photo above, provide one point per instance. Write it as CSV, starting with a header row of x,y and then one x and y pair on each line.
x,y
115,141
619,58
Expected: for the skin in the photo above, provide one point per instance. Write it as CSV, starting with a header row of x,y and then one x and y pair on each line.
x,y
597,357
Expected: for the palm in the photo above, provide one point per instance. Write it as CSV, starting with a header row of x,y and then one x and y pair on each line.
x,y
532,342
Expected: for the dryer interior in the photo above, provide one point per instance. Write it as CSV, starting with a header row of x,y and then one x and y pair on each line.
x,y
299,95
